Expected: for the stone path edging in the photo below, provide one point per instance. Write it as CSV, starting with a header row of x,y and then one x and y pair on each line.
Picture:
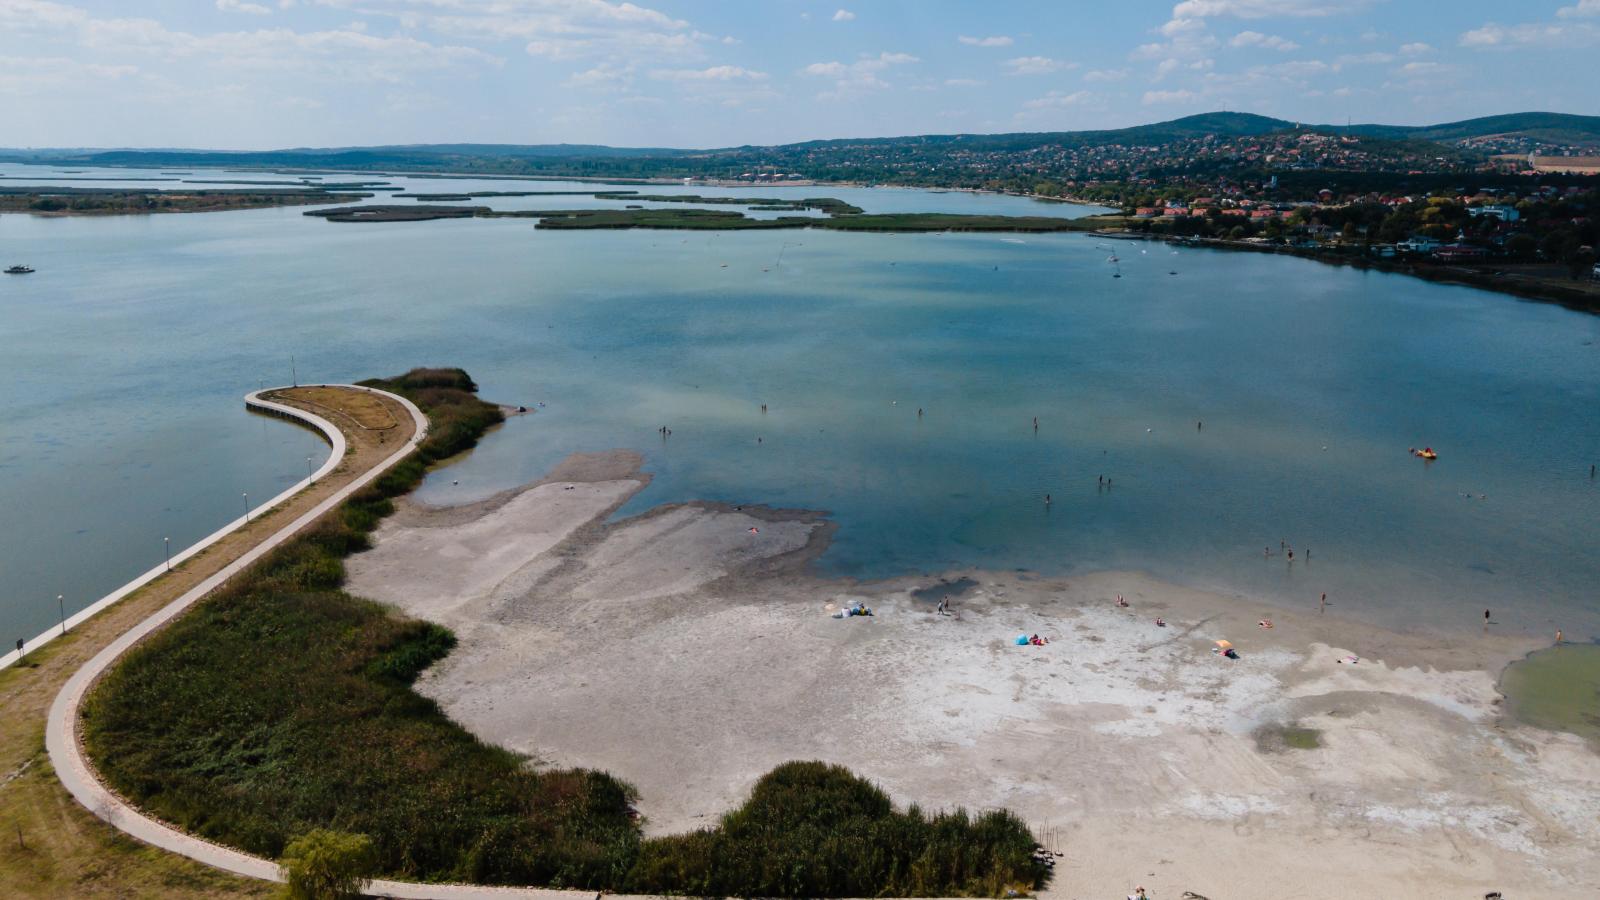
x,y
61,727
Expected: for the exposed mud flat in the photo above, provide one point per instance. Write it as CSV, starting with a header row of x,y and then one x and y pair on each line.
x,y
688,650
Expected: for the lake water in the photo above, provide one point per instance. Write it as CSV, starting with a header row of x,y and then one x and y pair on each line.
x,y
124,359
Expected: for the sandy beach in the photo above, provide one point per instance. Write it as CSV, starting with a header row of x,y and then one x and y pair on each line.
x,y
689,649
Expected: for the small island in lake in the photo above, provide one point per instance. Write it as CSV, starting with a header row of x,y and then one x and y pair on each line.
x,y
66,201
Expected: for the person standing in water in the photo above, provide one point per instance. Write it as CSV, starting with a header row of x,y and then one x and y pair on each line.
x,y
1322,606
1046,499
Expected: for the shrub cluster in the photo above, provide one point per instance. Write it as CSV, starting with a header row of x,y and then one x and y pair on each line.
x,y
811,829
282,705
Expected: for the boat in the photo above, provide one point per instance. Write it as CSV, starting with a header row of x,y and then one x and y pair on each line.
x,y
19,270
1425,453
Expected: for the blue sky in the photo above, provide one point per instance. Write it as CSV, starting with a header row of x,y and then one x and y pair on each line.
x,y
697,73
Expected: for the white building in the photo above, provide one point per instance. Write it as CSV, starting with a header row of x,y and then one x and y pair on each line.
x,y
1503,212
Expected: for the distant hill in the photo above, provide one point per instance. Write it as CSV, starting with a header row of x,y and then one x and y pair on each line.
x,y
1544,126
855,158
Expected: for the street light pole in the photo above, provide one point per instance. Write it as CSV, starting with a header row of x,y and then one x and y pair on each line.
x,y
246,497
309,471
61,603
167,543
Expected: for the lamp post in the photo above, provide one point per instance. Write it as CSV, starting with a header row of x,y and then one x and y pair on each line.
x,y
309,471
167,543
246,497
61,604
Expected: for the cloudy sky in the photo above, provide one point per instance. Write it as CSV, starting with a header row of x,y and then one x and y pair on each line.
x,y
698,73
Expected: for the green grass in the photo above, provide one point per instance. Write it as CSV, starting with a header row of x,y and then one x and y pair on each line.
x,y
282,704
1279,738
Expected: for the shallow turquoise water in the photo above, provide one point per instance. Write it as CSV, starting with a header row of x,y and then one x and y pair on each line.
x,y
123,360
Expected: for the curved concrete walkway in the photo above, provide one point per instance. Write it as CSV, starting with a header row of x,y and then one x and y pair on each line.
x,y
61,728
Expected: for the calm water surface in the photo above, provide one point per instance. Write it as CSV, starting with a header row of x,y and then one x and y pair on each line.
x,y
123,360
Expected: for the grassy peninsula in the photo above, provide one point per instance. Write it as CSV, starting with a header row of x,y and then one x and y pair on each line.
x,y
115,201
725,220
283,704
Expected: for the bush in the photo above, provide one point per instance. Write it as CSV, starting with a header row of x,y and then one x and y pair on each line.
x,y
811,829
327,865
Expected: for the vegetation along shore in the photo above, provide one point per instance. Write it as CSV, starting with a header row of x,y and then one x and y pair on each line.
x,y
283,705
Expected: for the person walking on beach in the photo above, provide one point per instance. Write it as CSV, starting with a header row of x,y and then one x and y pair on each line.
x,y
1322,606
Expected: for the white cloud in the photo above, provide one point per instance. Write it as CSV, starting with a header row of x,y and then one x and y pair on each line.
x,y
254,9
1036,65
844,15
339,53
1583,9
1364,59
1419,48
1056,99
604,77
1106,75
1532,34
1262,9
715,73
1267,41
1152,98
830,69
962,82
553,29
998,40
25,76
1168,66
859,76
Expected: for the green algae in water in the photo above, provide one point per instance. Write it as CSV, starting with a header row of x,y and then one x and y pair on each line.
x,y
1556,689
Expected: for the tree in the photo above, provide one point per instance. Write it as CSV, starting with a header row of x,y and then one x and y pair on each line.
x,y
328,865
1522,246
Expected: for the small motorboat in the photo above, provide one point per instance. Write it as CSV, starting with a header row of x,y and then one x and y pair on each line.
x,y
19,270
1425,453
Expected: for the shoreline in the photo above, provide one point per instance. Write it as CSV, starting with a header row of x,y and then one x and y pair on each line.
x,y
712,649
1527,288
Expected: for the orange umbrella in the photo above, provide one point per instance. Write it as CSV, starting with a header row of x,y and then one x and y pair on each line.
x,y
1224,646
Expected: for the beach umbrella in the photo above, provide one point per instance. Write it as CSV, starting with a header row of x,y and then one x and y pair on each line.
x,y
1224,646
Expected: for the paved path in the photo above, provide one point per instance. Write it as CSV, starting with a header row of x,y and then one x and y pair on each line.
x,y
61,732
